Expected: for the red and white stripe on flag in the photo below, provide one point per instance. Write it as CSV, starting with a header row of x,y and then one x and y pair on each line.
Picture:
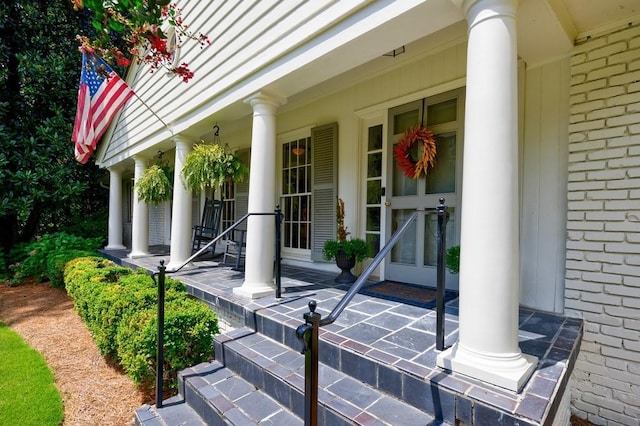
x,y
100,97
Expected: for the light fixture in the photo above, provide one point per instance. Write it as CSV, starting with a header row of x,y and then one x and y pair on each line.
x,y
395,52
298,151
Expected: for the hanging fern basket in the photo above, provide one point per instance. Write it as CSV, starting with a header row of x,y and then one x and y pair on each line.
x,y
155,186
208,166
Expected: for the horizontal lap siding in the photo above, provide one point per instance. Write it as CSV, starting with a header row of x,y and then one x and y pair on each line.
x,y
603,229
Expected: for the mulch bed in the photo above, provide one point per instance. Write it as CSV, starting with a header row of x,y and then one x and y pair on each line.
x,y
93,391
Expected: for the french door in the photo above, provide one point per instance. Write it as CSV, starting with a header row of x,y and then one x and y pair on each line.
x,y
413,259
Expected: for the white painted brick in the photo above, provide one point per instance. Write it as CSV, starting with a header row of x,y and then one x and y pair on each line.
x,y
574,255
634,194
605,299
577,284
574,235
605,93
583,306
590,86
618,418
633,173
571,294
632,324
633,237
608,195
634,42
618,365
607,133
577,118
633,87
577,216
583,107
629,302
586,146
603,402
624,162
602,278
633,66
585,205
624,57
580,156
572,276
632,260
577,79
627,34
632,346
605,154
575,177
593,43
588,166
587,125
609,216
585,67
577,59
584,226
604,236
634,129
623,120
622,227
622,205
622,312
585,245
583,266
604,319
635,150
606,113
615,69
622,248
608,175
623,140
624,183
634,368
619,332
626,270
631,281
577,98
576,196
587,185
626,396
605,258
624,99
606,50
622,79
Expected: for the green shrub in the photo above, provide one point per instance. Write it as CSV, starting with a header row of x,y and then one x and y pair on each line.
x,y
92,226
57,261
36,253
453,259
188,340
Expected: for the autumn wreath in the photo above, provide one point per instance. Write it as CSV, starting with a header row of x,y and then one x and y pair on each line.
x,y
402,152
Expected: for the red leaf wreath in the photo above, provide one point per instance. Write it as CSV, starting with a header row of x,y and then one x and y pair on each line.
x,y
402,152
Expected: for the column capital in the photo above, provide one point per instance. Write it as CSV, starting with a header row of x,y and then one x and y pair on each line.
x,y
182,140
139,158
116,169
477,11
265,99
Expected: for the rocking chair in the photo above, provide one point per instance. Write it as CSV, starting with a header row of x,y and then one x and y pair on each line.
x,y
209,226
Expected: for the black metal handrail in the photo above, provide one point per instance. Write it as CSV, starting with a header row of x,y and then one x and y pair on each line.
x,y
308,332
160,283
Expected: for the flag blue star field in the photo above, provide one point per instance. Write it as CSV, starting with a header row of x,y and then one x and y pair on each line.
x,y
101,95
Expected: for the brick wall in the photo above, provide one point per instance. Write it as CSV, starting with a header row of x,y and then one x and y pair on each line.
x,y
603,226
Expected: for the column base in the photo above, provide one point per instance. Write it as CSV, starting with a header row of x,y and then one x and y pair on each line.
x,y
114,247
255,290
135,254
172,266
510,371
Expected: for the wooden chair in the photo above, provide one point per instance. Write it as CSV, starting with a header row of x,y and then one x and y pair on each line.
x,y
234,247
209,226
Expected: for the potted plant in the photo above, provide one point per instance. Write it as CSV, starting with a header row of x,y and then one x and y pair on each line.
x,y
156,184
209,166
346,252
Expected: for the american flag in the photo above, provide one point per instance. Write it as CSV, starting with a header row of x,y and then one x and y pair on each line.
x,y
101,95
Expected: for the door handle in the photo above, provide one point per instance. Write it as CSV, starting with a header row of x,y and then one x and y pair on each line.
x,y
387,203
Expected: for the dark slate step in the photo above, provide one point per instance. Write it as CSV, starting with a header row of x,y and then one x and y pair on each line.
x,y
279,371
220,397
173,412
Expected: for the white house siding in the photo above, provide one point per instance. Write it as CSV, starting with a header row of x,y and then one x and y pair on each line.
x,y
544,190
603,228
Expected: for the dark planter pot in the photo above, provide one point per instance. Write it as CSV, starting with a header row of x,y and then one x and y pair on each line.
x,y
345,263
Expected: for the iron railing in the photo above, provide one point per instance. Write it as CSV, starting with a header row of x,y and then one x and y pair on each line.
x,y
160,283
309,331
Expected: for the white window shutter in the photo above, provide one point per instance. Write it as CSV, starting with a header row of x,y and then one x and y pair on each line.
x,y
324,148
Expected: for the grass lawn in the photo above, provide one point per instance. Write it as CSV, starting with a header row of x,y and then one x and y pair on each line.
x,y
28,395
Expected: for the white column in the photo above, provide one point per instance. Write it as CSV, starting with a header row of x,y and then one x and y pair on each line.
x,y
115,210
260,251
140,223
181,213
487,347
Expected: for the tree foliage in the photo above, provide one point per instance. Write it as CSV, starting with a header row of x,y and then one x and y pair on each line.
x,y
41,186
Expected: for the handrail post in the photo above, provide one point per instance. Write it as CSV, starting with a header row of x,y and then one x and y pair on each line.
x,y
278,264
308,333
160,347
443,218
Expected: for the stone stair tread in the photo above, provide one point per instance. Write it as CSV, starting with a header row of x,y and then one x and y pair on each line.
x,y
174,412
279,370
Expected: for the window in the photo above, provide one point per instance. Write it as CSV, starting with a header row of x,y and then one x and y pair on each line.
x,y
296,194
374,186
228,205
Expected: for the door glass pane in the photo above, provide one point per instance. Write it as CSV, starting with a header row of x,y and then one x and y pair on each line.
x,y
374,242
442,178
373,218
405,120
374,192
444,112
431,236
405,249
375,138
374,164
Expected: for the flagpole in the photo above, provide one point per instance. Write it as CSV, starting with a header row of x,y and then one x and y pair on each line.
x,y
153,112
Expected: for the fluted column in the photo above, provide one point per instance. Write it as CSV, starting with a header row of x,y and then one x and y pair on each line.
x,y
487,347
140,223
115,210
260,251
181,213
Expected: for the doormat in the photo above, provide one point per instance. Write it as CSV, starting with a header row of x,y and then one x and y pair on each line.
x,y
409,294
